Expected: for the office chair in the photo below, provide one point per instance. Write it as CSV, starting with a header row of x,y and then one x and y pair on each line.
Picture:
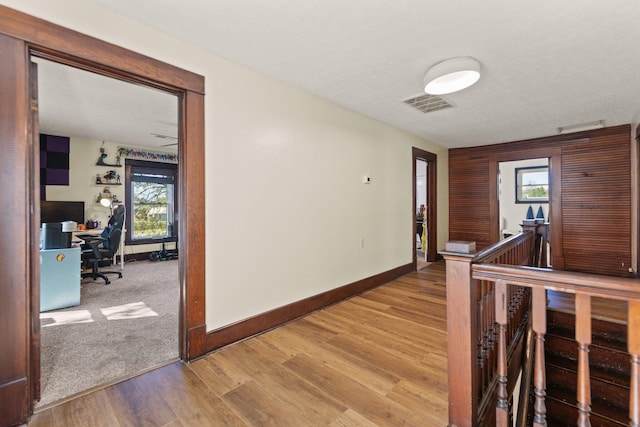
x,y
97,250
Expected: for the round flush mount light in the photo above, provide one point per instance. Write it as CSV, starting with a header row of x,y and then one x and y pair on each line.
x,y
451,75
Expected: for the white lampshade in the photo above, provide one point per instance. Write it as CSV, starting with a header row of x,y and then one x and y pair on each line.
x,y
451,75
106,197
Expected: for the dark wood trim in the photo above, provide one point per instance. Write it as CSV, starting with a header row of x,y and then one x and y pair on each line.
x,y
70,47
432,203
13,402
636,141
494,206
29,36
15,300
550,141
197,342
34,238
192,231
263,322
556,232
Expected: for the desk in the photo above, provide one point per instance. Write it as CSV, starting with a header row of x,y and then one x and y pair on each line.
x,y
75,238
59,278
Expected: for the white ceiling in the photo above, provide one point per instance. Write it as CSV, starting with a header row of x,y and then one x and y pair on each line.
x,y
545,64
85,105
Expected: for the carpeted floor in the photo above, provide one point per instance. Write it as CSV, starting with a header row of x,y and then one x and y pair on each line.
x,y
117,330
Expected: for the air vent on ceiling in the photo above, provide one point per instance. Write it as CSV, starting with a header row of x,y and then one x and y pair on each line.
x,y
428,103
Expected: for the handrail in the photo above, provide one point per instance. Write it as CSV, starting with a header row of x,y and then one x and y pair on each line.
x,y
595,285
493,252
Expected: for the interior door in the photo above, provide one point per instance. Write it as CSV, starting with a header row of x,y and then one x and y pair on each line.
x,y
34,234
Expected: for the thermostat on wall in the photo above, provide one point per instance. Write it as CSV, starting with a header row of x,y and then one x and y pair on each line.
x,y
366,179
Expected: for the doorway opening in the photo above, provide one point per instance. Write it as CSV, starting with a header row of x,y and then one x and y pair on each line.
x,y
524,190
424,208
421,217
130,325
20,41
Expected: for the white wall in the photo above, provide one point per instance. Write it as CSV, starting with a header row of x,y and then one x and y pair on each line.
x,y
512,213
286,206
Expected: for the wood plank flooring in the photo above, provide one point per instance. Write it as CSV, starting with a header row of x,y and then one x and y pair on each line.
x,y
377,359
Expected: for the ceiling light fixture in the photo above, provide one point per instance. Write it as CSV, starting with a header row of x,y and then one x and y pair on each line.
x,y
598,124
451,75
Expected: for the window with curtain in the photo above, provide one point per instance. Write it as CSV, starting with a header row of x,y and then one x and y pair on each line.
x,y
151,201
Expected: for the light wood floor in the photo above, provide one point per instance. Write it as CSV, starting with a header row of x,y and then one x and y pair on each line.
x,y
378,359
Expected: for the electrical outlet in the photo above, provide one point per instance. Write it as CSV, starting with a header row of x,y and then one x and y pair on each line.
x,y
362,242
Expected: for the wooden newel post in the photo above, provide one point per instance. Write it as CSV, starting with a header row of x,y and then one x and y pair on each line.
x,y
462,329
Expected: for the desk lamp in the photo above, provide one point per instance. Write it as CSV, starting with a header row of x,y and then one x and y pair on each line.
x,y
109,200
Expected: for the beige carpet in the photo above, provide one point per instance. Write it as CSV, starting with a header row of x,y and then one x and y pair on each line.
x,y
117,330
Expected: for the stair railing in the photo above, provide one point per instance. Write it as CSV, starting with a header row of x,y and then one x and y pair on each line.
x,y
487,298
473,330
585,287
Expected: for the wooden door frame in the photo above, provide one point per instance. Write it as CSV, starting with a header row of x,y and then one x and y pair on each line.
x,y
554,154
23,36
432,208
636,143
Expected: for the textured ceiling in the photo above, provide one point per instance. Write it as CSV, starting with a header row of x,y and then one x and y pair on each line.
x,y
545,64
84,105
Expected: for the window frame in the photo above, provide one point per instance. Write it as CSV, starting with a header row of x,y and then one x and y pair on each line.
x,y
168,168
519,175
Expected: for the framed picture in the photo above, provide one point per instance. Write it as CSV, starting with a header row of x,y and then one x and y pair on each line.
x,y
532,184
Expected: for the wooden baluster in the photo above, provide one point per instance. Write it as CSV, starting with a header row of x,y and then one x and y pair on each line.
x,y
493,332
517,312
489,352
502,301
482,336
511,312
539,325
633,344
583,337
523,300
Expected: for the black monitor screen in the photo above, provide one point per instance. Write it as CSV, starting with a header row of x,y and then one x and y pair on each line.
x,y
54,211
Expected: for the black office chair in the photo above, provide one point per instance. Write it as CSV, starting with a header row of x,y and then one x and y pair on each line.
x,y
97,250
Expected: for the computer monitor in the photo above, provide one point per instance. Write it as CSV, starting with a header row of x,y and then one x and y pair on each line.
x,y
56,211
